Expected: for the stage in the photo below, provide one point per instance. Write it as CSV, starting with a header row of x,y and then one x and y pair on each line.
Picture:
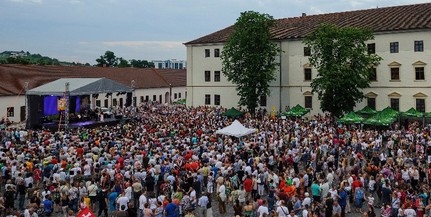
x,y
85,124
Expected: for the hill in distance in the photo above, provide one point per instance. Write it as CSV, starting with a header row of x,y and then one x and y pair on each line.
x,y
26,58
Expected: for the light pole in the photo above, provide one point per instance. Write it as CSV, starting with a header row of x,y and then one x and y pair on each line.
x,y
133,93
26,104
66,112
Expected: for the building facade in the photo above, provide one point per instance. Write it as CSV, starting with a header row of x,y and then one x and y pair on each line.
x,y
402,80
170,64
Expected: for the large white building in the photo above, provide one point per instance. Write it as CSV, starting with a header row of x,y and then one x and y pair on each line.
x,y
158,85
402,80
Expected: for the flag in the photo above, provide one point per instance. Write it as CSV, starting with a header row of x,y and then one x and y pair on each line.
x,y
86,212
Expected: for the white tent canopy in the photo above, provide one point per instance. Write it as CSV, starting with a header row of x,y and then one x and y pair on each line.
x,y
236,129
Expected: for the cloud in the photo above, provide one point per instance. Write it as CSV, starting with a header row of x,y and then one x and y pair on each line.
x,y
134,44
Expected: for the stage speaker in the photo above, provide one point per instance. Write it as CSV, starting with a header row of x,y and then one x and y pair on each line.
x,y
128,99
72,104
35,114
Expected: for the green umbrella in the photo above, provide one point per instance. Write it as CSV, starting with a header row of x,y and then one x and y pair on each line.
x,y
367,111
351,118
413,113
180,102
383,118
233,113
428,114
296,111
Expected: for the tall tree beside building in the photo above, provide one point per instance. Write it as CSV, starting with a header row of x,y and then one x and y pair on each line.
x,y
343,62
248,57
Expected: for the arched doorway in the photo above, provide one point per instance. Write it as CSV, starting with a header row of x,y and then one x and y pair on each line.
x,y
167,97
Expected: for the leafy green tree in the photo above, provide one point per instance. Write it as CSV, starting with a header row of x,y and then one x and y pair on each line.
x,y
343,63
248,57
122,63
141,64
108,60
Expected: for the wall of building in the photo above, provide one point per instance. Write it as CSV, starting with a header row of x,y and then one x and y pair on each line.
x,y
293,87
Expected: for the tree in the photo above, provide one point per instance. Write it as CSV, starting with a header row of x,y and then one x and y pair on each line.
x,y
108,60
248,57
343,65
141,64
122,63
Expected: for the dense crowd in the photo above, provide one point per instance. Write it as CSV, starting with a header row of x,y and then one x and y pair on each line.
x,y
170,162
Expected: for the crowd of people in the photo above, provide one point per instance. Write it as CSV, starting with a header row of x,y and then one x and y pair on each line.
x,y
169,161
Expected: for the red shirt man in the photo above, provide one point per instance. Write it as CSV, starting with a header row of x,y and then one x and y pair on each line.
x,y
248,184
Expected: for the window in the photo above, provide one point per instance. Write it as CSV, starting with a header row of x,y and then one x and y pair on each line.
x,y
10,111
154,98
307,74
175,96
114,102
98,103
419,73
395,104
373,74
105,103
420,105
141,99
371,48
371,102
216,52
147,98
179,95
308,102
207,99
216,99
395,74
217,76
207,53
393,47
134,101
262,100
160,65
207,76
419,46
307,51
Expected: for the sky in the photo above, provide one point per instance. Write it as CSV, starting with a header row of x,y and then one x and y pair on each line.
x,y
82,30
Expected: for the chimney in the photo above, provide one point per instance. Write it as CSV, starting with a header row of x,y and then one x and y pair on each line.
x,y
304,15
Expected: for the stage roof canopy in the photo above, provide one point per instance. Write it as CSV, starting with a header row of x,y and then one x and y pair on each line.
x,y
80,86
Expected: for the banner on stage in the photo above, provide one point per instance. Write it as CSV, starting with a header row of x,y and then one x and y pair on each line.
x,y
61,104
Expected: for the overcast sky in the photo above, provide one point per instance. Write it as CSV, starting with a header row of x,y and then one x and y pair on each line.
x,y
82,30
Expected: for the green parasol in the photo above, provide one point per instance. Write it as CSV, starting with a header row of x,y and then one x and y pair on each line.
x,y
296,111
383,118
367,111
351,118
413,113
233,113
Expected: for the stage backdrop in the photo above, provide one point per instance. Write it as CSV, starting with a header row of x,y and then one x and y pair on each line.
x,y
50,105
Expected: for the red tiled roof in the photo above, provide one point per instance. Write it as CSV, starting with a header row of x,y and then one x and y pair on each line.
x,y
397,18
13,77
